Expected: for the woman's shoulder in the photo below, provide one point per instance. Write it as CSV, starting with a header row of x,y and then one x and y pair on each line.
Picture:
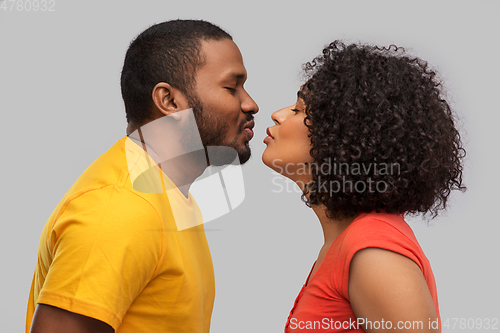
x,y
379,230
375,231
378,226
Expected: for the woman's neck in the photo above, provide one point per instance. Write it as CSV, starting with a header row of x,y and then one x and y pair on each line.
x,y
331,227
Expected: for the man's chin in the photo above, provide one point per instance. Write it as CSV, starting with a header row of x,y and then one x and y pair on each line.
x,y
244,153
227,155
244,156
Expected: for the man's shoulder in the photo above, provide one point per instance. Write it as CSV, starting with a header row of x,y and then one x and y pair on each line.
x,y
106,207
105,183
108,169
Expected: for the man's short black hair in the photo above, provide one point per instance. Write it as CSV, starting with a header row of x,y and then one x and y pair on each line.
x,y
166,52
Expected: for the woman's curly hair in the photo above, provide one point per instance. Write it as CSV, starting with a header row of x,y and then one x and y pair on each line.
x,y
378,116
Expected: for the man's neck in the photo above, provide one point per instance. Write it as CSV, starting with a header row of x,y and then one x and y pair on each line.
x,y
183,170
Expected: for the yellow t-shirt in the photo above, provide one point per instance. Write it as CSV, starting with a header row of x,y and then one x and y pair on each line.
x,y
115,254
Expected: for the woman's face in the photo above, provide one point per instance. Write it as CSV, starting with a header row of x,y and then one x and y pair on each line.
x,y
288,143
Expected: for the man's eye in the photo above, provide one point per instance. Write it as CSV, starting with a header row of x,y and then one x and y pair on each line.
x,y
232,90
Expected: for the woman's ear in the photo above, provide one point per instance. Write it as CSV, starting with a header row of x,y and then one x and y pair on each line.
x,y
168,99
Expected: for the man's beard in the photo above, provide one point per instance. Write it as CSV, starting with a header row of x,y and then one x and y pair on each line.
x,y
213,129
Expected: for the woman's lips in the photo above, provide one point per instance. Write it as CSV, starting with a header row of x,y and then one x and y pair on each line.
x,y
269,137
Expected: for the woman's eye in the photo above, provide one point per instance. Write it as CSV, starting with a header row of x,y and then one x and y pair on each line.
x,y
295,110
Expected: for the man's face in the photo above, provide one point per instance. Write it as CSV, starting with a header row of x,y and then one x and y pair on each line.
x,y
222,107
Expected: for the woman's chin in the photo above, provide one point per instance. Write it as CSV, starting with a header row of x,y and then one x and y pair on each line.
x,y
267,160
272,163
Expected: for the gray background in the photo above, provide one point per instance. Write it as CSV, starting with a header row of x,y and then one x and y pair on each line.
x,y
61,108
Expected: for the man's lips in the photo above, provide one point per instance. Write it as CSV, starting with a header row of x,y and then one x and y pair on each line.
x,y
248,129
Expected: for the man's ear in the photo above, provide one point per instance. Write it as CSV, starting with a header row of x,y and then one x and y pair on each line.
x,y
168,99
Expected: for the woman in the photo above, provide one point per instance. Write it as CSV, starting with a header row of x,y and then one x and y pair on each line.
x,y
370,139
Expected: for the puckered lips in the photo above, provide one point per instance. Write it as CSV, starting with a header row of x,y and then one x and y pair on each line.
x,y
269,136
249,129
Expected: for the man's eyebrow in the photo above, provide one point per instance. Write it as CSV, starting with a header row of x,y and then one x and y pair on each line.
x,y
239,76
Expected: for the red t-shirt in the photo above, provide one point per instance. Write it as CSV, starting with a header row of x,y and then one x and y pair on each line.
x,y
323,305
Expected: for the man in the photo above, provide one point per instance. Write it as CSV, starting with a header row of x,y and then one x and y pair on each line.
x,y
112,256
